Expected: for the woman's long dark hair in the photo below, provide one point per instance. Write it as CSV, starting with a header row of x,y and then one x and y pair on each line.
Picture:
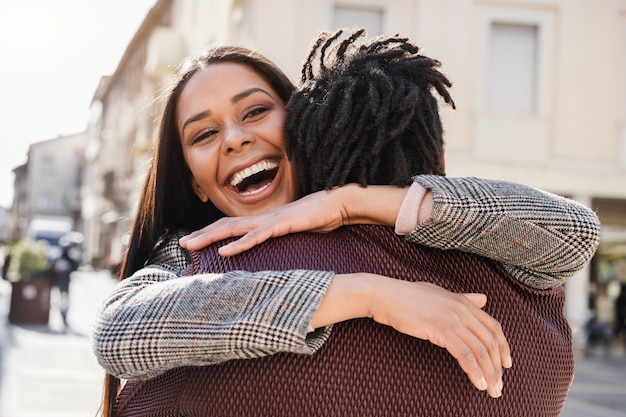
x,y
366,113
167,201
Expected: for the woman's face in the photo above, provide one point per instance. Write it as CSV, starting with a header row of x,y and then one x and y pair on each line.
x,y
231,126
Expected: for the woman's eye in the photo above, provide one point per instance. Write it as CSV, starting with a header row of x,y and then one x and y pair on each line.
x,y
255,112
202,136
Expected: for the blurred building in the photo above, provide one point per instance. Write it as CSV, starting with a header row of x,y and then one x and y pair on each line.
x,y
540,88
18,216
4,225
47,187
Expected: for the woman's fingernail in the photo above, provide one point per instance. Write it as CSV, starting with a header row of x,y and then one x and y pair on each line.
x,y
499,386
482,384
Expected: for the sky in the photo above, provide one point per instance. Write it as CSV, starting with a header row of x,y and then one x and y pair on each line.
x,y
52,56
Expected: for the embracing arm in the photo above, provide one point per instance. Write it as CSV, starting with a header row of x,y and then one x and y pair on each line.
x,y
157,320
540,238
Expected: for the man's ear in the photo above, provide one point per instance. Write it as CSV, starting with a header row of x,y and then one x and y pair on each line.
x,y
198,190
442,161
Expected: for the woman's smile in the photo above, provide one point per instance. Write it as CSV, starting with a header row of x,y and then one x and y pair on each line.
x,y
255,178
256,182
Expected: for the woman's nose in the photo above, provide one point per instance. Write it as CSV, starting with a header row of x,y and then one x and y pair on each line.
x,y
236,137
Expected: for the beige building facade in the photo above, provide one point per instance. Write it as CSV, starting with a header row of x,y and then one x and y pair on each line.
x,y
540,88
47,188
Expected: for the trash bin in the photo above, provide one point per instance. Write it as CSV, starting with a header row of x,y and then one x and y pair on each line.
x,y
30,301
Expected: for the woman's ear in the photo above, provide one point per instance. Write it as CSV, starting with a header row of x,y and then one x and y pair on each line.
x,y
198,190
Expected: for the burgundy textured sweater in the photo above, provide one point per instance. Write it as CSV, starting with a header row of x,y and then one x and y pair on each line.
x,y
367,369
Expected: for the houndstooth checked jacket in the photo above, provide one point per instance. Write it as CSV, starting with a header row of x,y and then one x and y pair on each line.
x,y
157,320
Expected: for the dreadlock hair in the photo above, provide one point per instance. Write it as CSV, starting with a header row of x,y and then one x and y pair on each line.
x,y
365,114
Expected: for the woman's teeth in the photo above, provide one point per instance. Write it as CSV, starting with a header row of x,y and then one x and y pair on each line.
x,y
258,190
255,178
239,177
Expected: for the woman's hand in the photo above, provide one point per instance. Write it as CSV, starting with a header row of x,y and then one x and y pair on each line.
x,y
429,312
322,211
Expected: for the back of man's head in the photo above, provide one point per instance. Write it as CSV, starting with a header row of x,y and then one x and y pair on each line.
x,y
366,113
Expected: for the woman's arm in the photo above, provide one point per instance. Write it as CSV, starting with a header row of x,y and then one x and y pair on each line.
x,y
541,238
157,320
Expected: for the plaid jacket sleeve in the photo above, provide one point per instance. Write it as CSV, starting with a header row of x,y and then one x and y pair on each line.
x,y
542,239
157,320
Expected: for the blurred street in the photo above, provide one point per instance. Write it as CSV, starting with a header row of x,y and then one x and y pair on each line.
x,y
47,372
599,388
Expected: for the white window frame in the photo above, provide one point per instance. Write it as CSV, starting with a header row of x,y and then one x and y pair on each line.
x,y
388,8
544,20
512,89
516,137
364,8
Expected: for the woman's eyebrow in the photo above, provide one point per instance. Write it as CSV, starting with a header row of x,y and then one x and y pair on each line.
x,y
195,118
246,93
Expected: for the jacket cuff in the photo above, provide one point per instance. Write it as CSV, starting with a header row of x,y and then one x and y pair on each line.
x,y
413,209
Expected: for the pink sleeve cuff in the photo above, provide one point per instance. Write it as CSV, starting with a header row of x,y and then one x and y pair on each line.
x,y
416,207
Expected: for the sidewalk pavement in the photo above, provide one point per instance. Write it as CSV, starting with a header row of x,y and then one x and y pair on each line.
x,y
46,372
599,388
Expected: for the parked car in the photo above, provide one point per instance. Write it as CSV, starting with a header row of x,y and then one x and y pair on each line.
x,y
49,230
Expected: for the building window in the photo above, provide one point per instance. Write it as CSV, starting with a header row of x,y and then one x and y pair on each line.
x,y
512,69
47,164
44,202
370,19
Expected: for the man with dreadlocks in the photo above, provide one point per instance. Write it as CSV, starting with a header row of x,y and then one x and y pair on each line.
x,y
380,93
